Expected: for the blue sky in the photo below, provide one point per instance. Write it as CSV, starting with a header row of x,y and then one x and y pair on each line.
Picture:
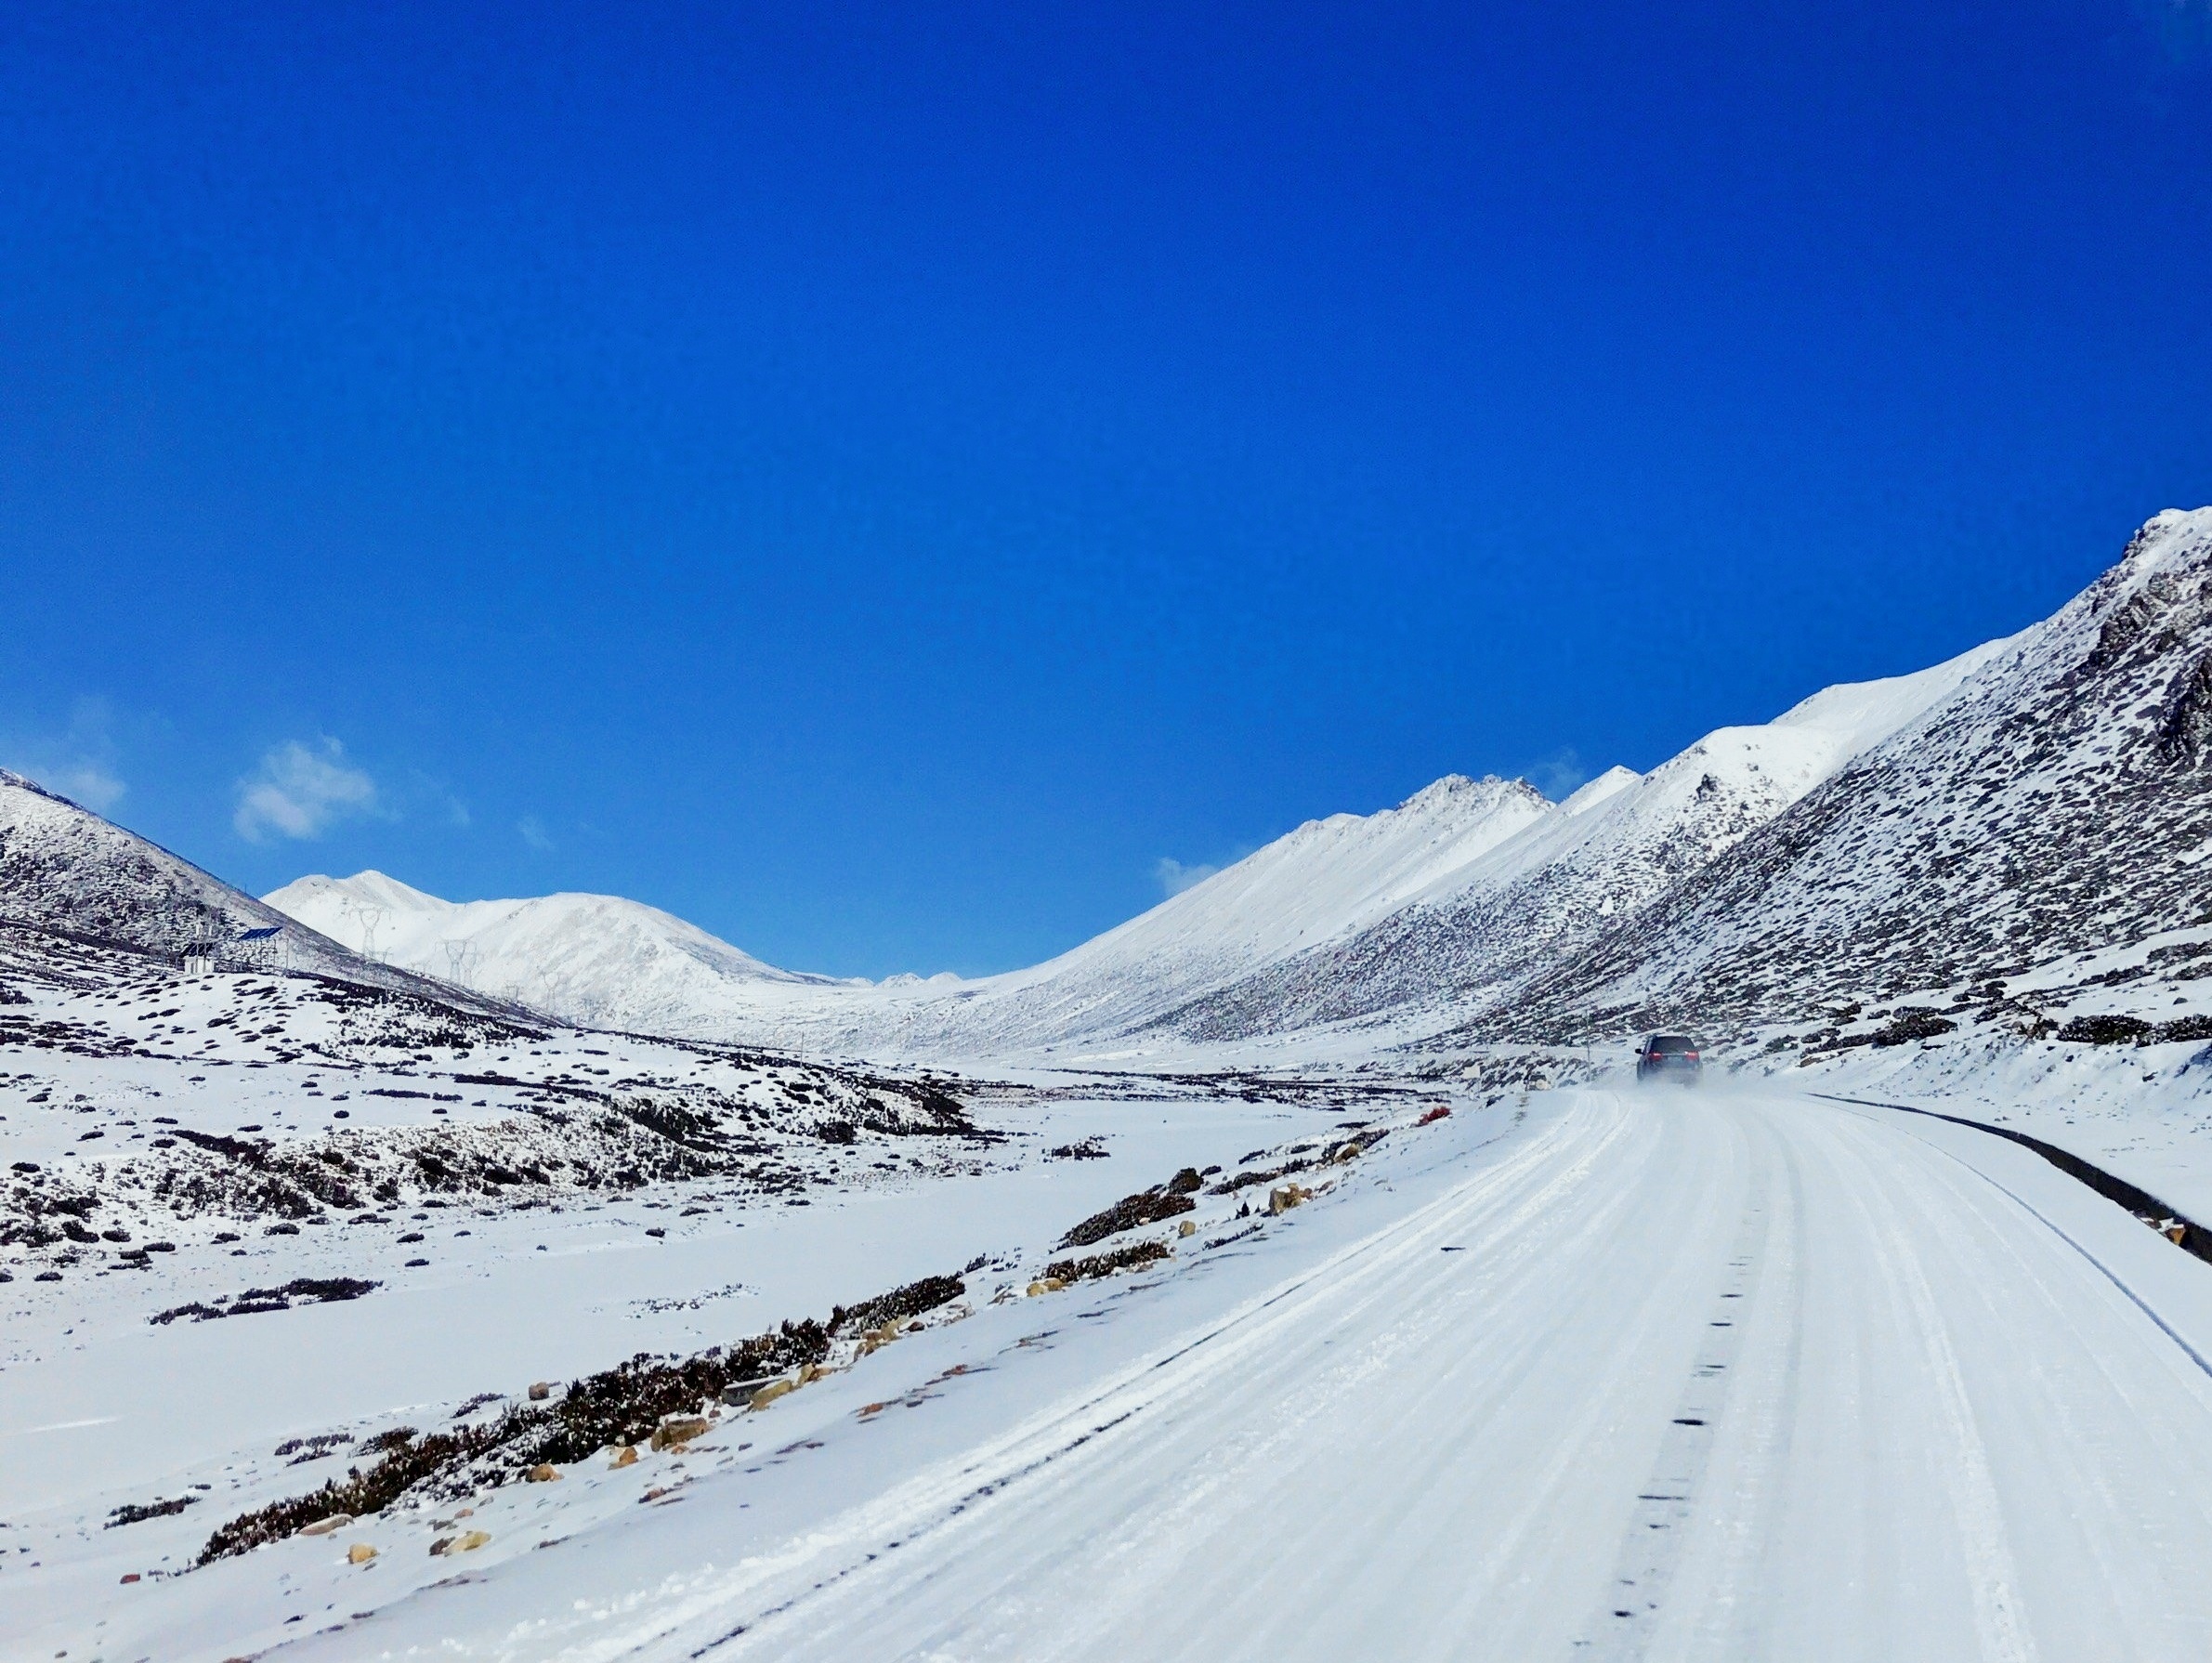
x,y
879,482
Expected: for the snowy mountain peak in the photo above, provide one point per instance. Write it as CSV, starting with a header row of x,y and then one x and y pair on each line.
x,y
2170,538
593,959
1458,791
370,888
1622,840
1605,787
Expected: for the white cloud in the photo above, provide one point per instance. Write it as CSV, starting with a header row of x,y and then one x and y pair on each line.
x,y
532,832
79,762
91,783
299,790
1559,774
1174,877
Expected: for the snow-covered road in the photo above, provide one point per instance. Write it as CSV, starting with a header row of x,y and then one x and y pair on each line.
x,y
1679,1374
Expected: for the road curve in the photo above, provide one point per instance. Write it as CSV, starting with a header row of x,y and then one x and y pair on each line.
x,y
1700,1376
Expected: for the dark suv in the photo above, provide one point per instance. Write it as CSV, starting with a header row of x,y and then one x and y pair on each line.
x,y
1668,1056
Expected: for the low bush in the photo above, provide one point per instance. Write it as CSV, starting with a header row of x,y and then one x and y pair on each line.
x,y
623,1404
1105,1264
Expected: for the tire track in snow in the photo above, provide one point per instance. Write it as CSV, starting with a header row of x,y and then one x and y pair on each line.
x,y
2013,1253
1992,1578
1658,1533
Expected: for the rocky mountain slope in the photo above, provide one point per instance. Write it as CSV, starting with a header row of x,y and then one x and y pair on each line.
x,y
2058,807
591,959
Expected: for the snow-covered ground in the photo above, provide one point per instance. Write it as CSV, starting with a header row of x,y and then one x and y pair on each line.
x,y
104,1404
1720,1373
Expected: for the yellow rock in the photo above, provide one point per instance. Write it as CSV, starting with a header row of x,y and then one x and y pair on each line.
x,y
771,1392
1350,1151
543,1472
1186,1229
360,1554
539,1390
626,1457
337,1521
670,1435
469,1542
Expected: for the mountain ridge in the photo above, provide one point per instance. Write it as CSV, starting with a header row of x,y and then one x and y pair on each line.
x,y
2061,804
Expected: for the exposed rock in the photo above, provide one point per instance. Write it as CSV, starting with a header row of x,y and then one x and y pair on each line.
x,y
674,1434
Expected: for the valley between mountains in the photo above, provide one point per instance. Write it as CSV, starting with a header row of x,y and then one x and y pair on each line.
x,y
1294,1270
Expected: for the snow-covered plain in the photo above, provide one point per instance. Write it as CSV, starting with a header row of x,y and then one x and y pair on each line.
x,y
1655,1374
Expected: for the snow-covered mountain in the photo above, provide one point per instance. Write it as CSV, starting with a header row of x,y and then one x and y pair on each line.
x,y
2036,795
596,960
2060,804
1604,854
1313,885
1430,909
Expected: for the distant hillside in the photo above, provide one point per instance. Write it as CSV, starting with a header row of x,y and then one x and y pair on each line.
x,y
591,959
